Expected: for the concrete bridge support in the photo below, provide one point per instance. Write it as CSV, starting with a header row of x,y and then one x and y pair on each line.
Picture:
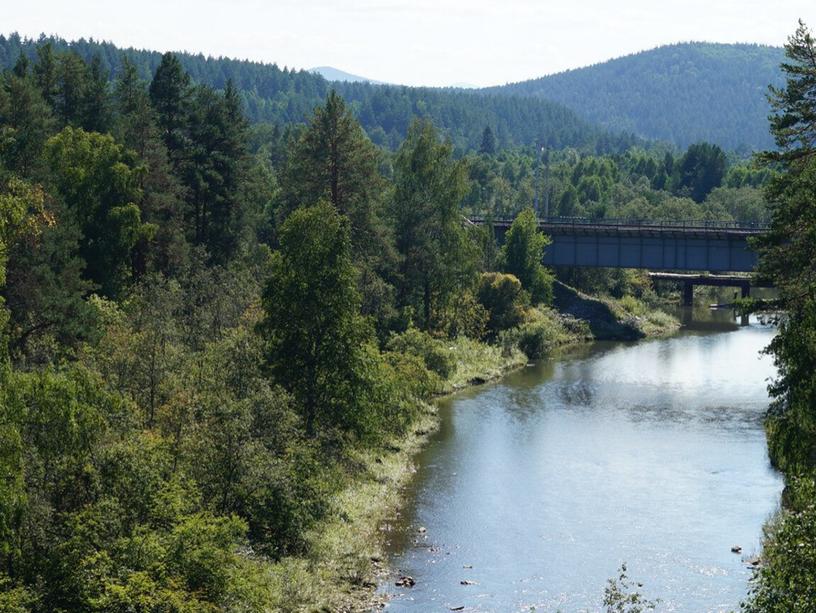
x,y
688,293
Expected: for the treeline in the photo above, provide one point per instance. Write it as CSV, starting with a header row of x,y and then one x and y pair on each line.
x,y
679,94
198,341
701,183
786,578
285,96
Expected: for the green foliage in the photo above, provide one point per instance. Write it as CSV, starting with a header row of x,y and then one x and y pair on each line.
x,y
786,578
285,96
541,332
98,182
787,258
700,170
334,160
523,251
314,334
505,300
621,597
667,93
438,258
433,352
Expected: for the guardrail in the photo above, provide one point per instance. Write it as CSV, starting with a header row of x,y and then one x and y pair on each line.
x,y
584,222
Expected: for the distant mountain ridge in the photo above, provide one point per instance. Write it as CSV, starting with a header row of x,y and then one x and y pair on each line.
x,y
330,73
284,97
681,93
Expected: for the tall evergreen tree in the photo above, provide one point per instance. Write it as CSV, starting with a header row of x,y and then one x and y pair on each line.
x,y
488,146
335,160
162,192
214,171
27,122
787,256
170,95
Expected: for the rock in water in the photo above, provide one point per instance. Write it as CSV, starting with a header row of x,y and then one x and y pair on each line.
x,y
405,581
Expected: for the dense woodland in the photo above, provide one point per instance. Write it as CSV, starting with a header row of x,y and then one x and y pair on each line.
x,y
679,94
281,97
786,580
205,321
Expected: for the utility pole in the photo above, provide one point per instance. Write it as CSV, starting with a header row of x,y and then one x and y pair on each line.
x,y
546,156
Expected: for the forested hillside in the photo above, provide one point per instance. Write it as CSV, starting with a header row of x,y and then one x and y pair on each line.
x,y
681,93
283,96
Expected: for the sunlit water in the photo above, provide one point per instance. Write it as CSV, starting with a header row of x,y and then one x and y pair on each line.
x,y
539,487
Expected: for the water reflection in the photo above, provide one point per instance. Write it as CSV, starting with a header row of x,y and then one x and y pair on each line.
x,y
652,453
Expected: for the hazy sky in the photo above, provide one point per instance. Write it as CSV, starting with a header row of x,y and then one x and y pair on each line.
x,y
416,42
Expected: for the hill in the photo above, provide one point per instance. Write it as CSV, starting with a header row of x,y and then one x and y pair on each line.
x,y
681,93
283,96
335,74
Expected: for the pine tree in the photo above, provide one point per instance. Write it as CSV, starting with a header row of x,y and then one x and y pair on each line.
x,y
488,146
170,96
334,160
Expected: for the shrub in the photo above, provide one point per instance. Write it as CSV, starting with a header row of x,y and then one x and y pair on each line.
x,y
537,336
436,356
504,299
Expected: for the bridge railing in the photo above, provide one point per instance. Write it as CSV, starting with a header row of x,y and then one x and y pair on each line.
x,y
701,224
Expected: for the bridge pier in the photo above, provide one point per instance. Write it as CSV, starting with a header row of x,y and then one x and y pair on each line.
x,y
688,293
746,290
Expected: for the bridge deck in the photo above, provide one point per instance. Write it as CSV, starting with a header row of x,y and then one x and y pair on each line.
x,y
713,246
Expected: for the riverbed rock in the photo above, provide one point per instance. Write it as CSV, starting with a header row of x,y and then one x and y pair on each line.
x,y
422,530
736,549
405,581
467,582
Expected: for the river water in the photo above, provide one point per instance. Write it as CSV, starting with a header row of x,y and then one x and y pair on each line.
x,y
537,488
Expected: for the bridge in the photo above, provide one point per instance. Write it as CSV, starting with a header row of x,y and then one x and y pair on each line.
x,y
713,246
678,246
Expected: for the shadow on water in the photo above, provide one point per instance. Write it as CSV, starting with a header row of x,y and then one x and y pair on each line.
x,y
537,487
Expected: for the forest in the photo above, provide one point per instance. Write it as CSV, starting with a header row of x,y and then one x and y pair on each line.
x,y
679,94
212,327
281,97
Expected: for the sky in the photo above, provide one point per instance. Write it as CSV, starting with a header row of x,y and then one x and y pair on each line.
x,y
414,42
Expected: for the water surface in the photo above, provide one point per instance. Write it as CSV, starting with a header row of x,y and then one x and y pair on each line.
x,y
539,487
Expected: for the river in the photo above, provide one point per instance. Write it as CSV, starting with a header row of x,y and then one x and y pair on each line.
x,y
537,488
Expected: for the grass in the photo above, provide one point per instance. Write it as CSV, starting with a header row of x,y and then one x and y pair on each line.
x,y
650,320
478,362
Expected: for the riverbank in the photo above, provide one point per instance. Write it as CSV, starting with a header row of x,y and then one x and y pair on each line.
x,y
624,319
346,552
346,558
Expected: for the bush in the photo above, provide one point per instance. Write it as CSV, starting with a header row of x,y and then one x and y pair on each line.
x,y
412,375
505,301
464,317
537,336
786,580
436,356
